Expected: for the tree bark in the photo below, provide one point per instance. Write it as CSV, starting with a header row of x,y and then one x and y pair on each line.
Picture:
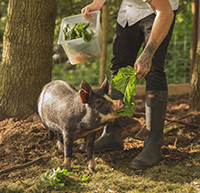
x,y
105,18
27,55
194,99
195,7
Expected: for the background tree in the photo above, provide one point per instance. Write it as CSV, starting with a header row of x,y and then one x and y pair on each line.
x,y
194,100
27,55
193,47
28,52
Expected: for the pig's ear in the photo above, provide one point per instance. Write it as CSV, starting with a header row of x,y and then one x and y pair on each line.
x,y
84,96
85,86
86,92
104,88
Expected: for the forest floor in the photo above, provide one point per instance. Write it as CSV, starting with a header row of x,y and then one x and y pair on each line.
x,y
23,141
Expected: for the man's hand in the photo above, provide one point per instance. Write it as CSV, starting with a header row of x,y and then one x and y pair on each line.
x,y
143,63
95,5
142,66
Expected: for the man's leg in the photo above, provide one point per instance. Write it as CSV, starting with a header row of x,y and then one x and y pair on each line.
x,y
126,44
155,108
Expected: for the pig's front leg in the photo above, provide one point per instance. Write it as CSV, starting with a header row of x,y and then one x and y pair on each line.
x,y
67,151
60,142
50,134
89,139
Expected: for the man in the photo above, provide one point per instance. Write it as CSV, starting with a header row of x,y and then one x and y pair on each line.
x,y
148,22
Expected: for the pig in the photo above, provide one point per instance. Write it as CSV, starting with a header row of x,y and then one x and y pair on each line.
x,y
75,114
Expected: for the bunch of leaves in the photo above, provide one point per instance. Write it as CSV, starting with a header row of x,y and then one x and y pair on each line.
x,y
78,31
55,177
85,178
125,82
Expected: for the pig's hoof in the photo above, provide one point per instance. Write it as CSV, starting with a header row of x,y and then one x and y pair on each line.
x,y
91,169
67,163
60,146
91,165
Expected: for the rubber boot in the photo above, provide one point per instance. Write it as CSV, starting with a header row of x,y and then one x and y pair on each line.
x,y
111,139
155,106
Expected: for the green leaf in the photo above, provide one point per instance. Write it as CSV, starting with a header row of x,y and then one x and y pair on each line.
x,y
54,177
125,82
85,25
91,31
78,31
86,36
85,178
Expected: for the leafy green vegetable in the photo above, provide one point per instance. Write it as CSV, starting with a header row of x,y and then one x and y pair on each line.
x,y
78,31
85,178
125,82
54,177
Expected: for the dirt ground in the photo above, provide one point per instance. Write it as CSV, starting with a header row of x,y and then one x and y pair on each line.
x,y
25,140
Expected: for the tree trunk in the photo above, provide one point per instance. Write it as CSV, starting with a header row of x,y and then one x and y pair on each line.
x,y
27,55
194,100
195,12
105,18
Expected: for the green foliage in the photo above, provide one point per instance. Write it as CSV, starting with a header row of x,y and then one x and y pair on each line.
x,y
74,74
78,31
85,178
172,178
3,18
177,60
125,82
88,71
55,177
73,7
177,64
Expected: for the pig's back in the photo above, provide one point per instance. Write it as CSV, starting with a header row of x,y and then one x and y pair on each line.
x,y
56,98
60,88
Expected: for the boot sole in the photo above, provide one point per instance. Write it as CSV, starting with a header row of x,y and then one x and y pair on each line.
x,y
143,167
108,150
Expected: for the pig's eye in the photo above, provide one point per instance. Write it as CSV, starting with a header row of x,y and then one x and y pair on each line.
x,y
98,102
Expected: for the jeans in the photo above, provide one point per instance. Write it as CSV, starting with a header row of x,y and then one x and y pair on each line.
x,y
126,44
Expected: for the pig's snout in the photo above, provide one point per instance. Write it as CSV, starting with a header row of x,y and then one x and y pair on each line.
x,y
117,105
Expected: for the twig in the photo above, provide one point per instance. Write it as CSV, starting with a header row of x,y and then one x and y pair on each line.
x,y
21,166
82,161
175,142
178,121
183,117
181,122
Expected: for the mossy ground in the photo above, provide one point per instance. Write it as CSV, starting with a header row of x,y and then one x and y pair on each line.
x,y
178,170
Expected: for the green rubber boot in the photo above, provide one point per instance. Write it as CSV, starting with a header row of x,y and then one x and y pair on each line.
x,y
111,139
155,106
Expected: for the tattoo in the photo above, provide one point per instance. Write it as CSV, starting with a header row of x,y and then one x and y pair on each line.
x,y
150,4
151,48
148,53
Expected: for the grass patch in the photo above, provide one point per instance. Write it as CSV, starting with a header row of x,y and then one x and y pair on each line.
x,y
178,178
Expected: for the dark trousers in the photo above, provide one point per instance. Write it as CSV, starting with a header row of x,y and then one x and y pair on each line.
x,y
126,45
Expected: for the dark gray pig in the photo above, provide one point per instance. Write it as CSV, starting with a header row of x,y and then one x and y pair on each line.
x,y
76,114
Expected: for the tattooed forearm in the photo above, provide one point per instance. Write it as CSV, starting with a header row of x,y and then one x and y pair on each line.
x,y
151,48
148,54
150,4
